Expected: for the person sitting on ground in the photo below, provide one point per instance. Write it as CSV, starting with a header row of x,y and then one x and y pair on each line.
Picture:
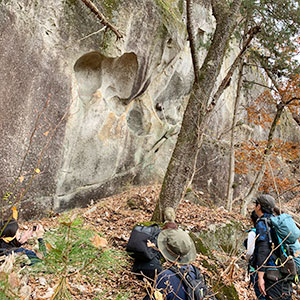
x,y
12,241
143,267
150,269
177,247
249,256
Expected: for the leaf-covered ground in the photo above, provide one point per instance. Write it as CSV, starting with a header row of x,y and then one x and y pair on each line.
x,y
114,218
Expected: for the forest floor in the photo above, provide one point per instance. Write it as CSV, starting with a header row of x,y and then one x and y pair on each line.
x,y
114,219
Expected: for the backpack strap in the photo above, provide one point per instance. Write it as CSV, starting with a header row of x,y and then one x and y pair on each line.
x,y
184,275
267,222
179,272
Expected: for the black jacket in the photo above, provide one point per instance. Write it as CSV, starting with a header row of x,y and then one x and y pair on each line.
x,y
7,247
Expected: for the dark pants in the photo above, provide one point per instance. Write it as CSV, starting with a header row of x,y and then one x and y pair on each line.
x,y
254,281
30,254
276,290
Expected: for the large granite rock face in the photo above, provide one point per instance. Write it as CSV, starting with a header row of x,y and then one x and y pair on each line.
x,y
115,106
99,114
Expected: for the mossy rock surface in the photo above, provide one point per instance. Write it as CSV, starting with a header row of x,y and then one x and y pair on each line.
x,y
110,7
149,223
200,247
220,238
226,238
226,292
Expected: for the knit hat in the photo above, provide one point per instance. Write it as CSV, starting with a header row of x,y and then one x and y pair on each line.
x,y
8,229
170,225
176,245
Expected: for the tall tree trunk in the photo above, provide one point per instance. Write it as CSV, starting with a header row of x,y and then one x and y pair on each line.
x,y
230,189
181,167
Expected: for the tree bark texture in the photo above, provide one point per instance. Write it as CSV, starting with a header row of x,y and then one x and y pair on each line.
x,y
192,38
182,163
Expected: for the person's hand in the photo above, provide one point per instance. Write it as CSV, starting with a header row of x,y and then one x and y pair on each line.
x,y
25,236
261,284
39,231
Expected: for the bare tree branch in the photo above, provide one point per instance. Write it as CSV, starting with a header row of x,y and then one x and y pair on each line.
x,y
226,81
260,84
102,18
93,33
291,100
288,190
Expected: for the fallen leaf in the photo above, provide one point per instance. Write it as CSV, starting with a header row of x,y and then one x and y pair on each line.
x,y
46,133
14,213
2,276
8,264
21,179
98,241
158,295
49,293
39,255
150,244
42,281
13,280
25,292
48,246
37,170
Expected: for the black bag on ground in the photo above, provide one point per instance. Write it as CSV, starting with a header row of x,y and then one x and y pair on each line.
x,y
196,288
137,244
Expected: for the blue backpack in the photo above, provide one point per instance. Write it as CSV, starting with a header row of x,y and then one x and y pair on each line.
x,y
285,228
287,234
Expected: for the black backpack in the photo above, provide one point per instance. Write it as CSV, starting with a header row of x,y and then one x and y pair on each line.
x,y
137,244
196,289
149,269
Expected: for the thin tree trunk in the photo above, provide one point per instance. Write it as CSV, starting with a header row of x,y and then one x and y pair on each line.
x,y
259,176
182,163
230,189
280,107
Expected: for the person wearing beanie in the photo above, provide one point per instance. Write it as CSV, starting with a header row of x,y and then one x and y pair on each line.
x,y
269,283
12,241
